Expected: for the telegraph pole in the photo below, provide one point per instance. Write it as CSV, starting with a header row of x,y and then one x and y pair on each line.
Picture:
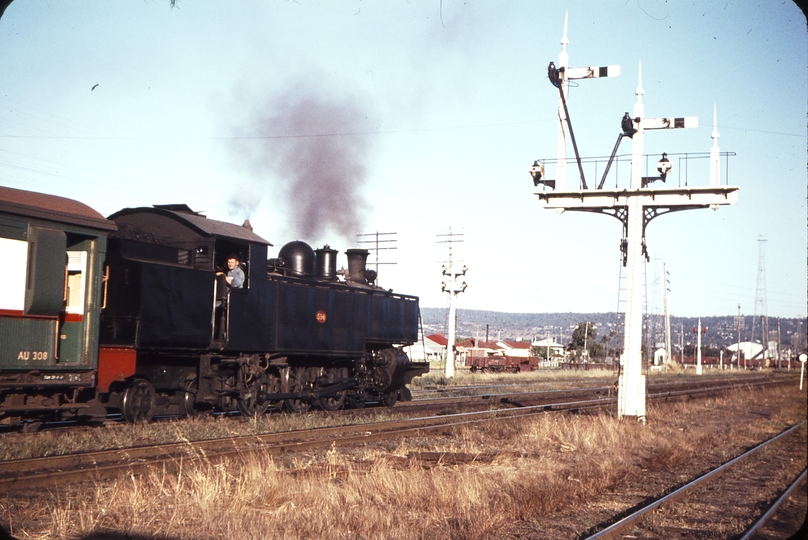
x,y
739,323
668,350
635,207
698,350
453,289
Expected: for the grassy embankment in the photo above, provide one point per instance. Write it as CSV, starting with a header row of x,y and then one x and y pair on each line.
x,y
543,465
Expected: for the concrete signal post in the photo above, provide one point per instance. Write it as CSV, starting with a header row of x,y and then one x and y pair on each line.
x,y
635,207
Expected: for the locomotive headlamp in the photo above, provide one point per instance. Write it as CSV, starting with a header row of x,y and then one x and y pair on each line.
x,y
664,166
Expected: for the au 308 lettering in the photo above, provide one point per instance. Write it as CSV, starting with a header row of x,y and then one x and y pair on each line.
x,y
32,355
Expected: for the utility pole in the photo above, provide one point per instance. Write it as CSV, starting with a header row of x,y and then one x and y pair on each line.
x,y
778,343
668,351
634,207
739,324
453,289
586,336
698,350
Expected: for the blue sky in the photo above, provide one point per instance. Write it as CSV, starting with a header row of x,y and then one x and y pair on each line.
x,y
320,120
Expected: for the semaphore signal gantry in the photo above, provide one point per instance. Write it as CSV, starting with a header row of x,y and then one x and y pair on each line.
x,y
634,206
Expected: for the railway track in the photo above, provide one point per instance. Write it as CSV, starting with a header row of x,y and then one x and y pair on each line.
x,y
58,470
453,399
567,383
520,399
735,499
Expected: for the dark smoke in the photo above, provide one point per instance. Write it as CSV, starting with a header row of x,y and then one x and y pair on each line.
x,y
311,151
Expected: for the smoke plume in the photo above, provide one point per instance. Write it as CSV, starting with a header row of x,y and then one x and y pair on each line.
x,y
311,151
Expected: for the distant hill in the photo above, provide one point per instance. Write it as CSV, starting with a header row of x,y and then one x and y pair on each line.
x,y
529,326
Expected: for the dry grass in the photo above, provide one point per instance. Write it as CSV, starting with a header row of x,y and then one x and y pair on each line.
x,y
53,443
560,378
463,376
544,464
50,443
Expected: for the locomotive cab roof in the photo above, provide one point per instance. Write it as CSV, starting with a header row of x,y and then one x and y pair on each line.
x,y
51,208
140,224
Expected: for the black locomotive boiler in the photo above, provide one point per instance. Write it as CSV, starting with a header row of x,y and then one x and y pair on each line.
x,y
293,333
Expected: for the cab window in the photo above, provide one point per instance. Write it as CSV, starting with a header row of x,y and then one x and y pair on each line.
x,y
230,258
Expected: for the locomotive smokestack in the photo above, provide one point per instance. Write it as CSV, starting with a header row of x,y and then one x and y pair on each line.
x,y
357,260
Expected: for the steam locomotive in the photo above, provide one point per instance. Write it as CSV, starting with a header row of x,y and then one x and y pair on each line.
x,y
133,314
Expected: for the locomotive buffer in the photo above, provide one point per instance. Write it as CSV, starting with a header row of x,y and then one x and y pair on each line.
x,y
635,207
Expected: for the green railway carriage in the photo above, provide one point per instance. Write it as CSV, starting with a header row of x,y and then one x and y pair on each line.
x,y
52,251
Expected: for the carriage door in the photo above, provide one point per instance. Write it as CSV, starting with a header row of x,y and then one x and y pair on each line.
x,y
71,331
33,280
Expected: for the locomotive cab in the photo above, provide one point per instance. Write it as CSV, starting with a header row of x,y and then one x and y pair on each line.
x,y
167,284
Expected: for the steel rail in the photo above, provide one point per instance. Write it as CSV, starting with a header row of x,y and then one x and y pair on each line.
x,y
57,469
514,396
616,530
467,400
774,507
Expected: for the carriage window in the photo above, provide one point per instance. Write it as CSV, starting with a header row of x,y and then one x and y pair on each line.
x,y
14,254
76,269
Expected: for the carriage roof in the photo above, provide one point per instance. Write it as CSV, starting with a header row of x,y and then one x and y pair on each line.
x,y
51,208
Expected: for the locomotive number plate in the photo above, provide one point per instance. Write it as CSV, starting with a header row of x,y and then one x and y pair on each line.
x,y
320,316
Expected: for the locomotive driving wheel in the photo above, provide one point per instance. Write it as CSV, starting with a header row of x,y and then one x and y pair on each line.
x,y
335,401
389,399
190,406
298,382
138,401
248,402
356,400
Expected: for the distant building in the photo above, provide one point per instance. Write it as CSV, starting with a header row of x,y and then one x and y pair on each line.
x,y
556,348
520,349
435,346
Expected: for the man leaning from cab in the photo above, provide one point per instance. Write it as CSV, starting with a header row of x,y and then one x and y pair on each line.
x,y
235,275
